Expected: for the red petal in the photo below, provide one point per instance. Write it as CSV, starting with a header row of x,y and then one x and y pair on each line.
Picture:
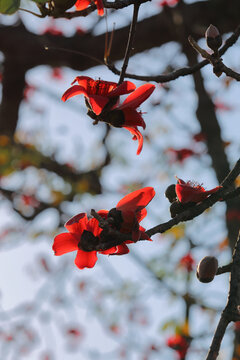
x,y
137,200
83,81
133,118
93,226
100,7
141,214
122,249
82,4
97,103
110,251
85,259
125,88
103,213
77,224
72,91
138,96
64,243
136,136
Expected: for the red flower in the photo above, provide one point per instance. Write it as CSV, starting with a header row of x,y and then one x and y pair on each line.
x,y
168,2
179,344
97,92
181,154
187,262
190,192
83,4
125,218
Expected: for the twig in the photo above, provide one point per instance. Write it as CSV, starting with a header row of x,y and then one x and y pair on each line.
x,y
130,41
223,269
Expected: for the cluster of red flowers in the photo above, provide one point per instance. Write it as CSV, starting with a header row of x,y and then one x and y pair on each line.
x,y
190,192
125,218
99,94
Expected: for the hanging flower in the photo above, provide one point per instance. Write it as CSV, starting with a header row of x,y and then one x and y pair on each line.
x,y
191,192
98,93
83,4
125,218
127,116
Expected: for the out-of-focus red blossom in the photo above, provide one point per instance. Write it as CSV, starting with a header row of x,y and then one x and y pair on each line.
x,y
168,3
83,4
80,31
57,73
222,107
124,218
179,344
30,200
233,215
52,30
199,137
98,93
9,338
1,77
187,262
237,326
191,192
82,286
115,329
181,154
28,91
44,264
75,333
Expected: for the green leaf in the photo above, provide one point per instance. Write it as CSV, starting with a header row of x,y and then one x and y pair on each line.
x,y
9,7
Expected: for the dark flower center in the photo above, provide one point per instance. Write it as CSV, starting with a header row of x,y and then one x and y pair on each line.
x,y
88,241
115,118
115,218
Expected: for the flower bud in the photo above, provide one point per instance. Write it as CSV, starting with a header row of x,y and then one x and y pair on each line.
x,y
170,193
207,269
213,38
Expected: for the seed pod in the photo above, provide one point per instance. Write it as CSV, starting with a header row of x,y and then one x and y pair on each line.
x,y
207,269
213,38
170,193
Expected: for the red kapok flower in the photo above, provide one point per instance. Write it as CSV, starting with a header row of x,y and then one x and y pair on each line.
x,y
83,4
127,116
190,192
179,344
97,92
181,154
187,262
124,218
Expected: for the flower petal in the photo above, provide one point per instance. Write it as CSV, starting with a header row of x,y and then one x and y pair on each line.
x,y
77,224
103,213
136,136
85,259
133,118
122,249
82,4
64,243
100,7
125,88
93,226
97,103
110,251
138,96
137,200
140,215
72,91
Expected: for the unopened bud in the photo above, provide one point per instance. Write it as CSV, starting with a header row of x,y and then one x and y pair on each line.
x,y
213,38
170,193
207,269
